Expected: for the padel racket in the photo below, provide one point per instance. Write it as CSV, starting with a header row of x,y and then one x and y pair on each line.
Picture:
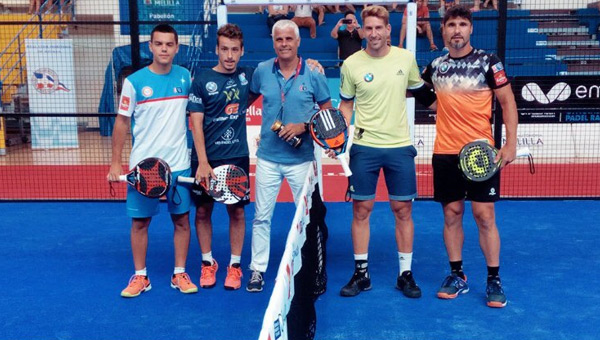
x,y
329,129
231,185
476,160
151,177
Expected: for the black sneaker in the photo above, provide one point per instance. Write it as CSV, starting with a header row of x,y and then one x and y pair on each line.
x,y
358,283
495,294
256,282
406,283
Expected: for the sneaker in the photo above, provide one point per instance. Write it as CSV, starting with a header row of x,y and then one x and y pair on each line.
x,y
495,294
183,282
358,283
208,277
452,286
256,282
233,280
406,283
137,285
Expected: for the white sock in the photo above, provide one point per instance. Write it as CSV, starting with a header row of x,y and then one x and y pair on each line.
x,y
178,270
207,257
405,260
363,257
141,272
235,259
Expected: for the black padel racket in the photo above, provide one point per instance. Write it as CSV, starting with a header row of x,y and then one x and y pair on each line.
x,y
231,185
151,177
476,160
329,129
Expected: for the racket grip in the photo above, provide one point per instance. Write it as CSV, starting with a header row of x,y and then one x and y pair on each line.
x,y
344,163
523,152
123,178
182,179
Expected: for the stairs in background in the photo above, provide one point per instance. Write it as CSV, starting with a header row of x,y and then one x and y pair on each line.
x,y
13,73
575,41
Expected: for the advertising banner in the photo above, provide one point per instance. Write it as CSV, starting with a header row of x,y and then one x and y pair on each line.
x,y
554,99
163,10
51,90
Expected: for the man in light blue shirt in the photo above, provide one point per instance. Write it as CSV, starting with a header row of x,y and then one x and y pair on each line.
x,y
292,93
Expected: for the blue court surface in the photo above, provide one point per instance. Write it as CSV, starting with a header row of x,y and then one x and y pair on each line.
x,y
64,264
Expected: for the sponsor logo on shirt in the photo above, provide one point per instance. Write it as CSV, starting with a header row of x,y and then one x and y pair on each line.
x,y
369,77
243,80
232,108
125,101
211,87
500,78
444,67
194,99
177,90
400,73
147,91
497,67
302,87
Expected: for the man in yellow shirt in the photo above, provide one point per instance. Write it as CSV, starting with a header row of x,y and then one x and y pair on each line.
x,y
376,79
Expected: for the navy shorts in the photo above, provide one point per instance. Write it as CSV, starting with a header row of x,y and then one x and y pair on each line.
x,y
449,183
398,166
201,198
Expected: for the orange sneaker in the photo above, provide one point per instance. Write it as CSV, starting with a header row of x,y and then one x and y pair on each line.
x,y
233,280
208,275
137,285
183,283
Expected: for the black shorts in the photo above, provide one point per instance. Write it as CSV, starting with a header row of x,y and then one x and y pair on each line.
x,y
449,183
201,198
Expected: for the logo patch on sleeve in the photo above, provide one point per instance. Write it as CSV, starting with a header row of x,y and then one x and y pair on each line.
x,y
125,101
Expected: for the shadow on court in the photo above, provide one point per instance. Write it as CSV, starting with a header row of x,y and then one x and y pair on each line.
x,y
64,264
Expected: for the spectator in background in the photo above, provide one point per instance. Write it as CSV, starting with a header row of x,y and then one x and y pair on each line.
x,y
423,26
349,35
336,8
486,3
303,18
276,13
446,5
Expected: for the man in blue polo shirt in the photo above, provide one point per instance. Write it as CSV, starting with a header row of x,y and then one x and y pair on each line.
x,y
291,94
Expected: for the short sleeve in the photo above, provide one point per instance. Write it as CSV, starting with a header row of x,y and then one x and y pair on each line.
x,y
414,78
321,88
347,86
255,82
496,75
127,101
195,102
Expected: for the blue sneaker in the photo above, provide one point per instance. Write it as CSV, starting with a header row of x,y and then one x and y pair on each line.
x,y
452,286
495,294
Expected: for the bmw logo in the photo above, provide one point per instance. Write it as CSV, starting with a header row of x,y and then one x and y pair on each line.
x,y
211,86
369,77
444,67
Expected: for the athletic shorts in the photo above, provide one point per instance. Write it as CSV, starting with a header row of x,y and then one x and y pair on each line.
x,y
449,183
200,197
398,166
178,199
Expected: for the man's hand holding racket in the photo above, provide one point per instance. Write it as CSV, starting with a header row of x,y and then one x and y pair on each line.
x,y
115,171
204,173
507,154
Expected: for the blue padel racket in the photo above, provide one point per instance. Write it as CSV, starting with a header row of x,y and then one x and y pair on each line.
x,y
476,160
230,186
151,177
329,129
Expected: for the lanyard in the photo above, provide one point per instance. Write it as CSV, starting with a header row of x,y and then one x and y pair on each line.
x,y
285,89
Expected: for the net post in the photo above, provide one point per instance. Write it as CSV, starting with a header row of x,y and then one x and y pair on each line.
x,y
221,15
